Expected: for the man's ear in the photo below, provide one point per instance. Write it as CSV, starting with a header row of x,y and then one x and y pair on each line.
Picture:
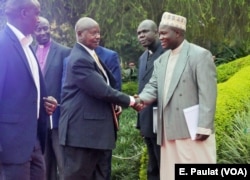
x,y
178,32
79,33
23,12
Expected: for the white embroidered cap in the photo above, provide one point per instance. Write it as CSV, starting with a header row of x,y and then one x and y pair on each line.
x,y
173,20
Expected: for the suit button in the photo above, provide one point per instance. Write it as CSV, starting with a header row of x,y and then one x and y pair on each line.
x,y
177,109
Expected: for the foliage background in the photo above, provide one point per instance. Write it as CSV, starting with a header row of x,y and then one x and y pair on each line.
x,y
222,26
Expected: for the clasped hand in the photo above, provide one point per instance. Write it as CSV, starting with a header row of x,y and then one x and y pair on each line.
x,y
139,104
50,104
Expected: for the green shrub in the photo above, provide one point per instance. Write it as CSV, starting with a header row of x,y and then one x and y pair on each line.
x,y
233,96
235,148
130,87
225,71
144,164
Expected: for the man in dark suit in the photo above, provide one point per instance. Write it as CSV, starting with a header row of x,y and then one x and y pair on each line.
x,y
87,127
148,37
50,55
111,59
22,111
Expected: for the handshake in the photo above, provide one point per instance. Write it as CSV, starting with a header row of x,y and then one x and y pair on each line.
x,y
139,104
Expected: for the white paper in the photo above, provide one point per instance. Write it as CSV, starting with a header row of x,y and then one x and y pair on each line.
x,y
51,122
191,115
155,119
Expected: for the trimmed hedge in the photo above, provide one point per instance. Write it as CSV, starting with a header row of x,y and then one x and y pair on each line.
x,y
225,71
233,96
143,164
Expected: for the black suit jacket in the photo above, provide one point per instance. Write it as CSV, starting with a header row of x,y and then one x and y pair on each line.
x,y
145,116
19,127
86,115
111,59
53,74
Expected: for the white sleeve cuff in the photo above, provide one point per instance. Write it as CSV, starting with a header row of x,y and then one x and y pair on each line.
x,y
204,131
132,101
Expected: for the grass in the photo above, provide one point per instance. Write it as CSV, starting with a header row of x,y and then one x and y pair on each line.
x,y
129,147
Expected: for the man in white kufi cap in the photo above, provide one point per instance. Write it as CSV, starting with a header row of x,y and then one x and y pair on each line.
x,y
183,77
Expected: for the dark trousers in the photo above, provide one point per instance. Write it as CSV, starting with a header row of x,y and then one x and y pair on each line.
x,y
31,170
53,156
109,158
1,172
153,170
85,163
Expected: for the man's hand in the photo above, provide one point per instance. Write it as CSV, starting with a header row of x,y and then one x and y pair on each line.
x,y
50,104
118,110
139,104
201,137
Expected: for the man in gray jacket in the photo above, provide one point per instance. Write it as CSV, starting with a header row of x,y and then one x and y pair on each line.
x,y
183,77
147,34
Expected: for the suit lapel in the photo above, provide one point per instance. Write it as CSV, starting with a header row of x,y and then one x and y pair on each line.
x,y
178,70
162,74
109,74
97,68
19,49
143,63
50,57
145,71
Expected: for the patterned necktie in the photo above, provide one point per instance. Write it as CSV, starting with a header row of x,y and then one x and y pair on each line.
x,y
106,76
100,66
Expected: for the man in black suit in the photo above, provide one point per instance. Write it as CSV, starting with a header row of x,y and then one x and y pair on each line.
x,y
112,60
22,112
148,37
87,126
50,55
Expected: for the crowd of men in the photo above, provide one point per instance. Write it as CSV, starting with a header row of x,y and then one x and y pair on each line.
x,y
60,106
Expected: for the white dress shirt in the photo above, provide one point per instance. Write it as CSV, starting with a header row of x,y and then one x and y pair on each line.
x,y
25,43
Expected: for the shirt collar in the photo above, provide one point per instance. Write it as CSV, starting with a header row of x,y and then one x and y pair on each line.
x,y
90,51
45,45
153,47
24,40
178,49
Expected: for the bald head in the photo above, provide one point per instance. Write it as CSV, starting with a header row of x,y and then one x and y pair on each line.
x,y
148,23
13,7
85,23
23,14
43,20
147,33
88,32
